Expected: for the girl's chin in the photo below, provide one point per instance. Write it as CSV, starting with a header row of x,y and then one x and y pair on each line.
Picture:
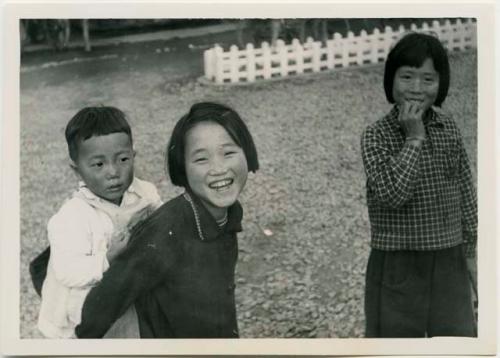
x,y
221,203
423,106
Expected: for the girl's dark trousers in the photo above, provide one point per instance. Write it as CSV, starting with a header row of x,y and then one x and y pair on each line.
x,y
418,294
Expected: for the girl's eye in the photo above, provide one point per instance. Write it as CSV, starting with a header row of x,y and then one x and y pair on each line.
x,y
97,164
124,159
229,153
200,160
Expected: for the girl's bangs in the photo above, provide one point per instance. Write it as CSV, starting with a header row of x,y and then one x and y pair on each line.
x,y
414,56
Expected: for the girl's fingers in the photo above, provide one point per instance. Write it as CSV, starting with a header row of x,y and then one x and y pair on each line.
x,y
413,112
414,108
403,112
409,112
419,111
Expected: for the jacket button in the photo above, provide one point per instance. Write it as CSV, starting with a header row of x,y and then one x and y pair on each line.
x,y
231,288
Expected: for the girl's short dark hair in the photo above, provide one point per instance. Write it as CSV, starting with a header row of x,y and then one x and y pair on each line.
x,y
207,112
412,50
94,121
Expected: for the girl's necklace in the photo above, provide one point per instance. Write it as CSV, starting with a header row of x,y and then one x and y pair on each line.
x,y
222,221
196,217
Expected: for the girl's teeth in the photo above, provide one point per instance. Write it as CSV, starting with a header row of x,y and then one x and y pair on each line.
x,y
220,184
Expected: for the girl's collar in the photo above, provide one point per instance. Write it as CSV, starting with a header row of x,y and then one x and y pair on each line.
x,y
206,226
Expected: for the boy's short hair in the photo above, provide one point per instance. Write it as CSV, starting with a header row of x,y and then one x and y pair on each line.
x,y
207,112
412,50
94,121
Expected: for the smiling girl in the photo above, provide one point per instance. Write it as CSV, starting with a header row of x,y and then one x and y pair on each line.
x,y
179,266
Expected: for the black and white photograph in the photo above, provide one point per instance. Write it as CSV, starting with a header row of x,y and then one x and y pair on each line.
x,y
301,179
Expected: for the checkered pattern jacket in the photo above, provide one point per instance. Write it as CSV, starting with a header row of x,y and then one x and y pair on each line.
x,y
419,197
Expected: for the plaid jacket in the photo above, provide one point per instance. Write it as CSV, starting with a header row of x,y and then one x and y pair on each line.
x,y
419,198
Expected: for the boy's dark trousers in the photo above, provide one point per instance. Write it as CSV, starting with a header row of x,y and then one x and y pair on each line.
x,y
418,294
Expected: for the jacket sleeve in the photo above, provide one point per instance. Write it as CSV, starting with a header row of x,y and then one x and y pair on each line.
x,y
140,268
391,177
468,203
75,262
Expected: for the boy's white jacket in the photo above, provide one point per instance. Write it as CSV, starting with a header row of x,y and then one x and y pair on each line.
x,y
79,235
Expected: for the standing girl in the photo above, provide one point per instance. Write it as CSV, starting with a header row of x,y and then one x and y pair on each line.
x,y
179,266
421,203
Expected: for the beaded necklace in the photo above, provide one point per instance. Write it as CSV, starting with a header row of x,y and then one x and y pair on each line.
x,y
220,223
196,217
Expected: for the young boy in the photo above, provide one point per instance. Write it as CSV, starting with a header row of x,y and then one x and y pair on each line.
x,y
421,203
91,228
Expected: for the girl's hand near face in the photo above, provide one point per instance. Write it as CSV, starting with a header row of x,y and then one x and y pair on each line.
x,y
411,120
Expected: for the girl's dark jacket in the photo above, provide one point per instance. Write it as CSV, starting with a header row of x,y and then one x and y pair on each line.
x,y
180,276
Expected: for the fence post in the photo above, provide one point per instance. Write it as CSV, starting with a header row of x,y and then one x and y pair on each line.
x,y
401,31
233,64
388,40
374,46
208,63
333,46
330,53
425,26
448,36
309,43
299,55
346,46
436,28
266,58
462,33
283,56
219,75
250,63
471,27
363,43
316,56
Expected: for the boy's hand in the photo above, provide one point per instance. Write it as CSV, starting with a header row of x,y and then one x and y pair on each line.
x,y
117,244
131,216
411,119
122,227
139,216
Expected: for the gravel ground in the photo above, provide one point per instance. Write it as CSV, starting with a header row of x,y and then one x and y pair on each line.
x,y
305,243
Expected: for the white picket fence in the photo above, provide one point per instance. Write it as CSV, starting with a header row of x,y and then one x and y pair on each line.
x,y
251,64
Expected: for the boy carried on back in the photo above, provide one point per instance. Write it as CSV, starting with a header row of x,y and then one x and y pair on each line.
x,y
91,228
